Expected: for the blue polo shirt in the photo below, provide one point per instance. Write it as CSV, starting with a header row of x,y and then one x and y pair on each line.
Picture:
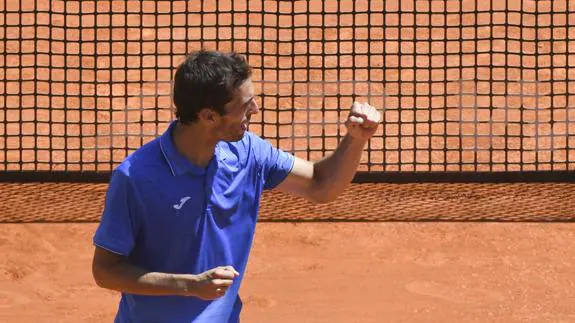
x,y
167,215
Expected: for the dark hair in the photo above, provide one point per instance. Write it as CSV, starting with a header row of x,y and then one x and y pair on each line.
x,y
207,79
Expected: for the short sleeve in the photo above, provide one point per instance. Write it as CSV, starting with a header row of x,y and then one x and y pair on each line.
x,y
276,164
118,225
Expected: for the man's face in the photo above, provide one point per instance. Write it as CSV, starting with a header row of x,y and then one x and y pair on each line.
x,y
234,123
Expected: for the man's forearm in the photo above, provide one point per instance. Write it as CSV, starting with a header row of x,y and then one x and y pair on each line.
x,y
126,278
333,174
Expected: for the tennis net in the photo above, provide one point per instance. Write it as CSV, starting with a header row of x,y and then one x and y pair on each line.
x,y
469,87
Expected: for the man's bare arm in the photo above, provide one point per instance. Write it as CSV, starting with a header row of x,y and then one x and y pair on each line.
x,y
325,180
113,271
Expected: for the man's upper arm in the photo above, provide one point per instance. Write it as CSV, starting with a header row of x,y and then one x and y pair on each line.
x,y
299,181
104,258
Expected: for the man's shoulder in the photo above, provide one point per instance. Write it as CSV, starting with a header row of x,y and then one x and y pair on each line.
x,y
255,142
251,146
141,161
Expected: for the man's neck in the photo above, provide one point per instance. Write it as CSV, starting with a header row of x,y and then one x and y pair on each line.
x,y
194,143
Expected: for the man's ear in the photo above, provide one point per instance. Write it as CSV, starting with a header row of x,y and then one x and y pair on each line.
x,y
208,116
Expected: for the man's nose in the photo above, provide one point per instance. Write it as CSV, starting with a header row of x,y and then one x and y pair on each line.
x,y
254,108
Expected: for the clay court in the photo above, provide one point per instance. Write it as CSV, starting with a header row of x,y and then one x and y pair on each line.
x,y
468,89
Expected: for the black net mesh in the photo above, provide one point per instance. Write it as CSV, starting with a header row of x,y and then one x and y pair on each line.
x,y
467,86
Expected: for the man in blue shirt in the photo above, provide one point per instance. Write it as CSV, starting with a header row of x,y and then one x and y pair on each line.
x,y
180,212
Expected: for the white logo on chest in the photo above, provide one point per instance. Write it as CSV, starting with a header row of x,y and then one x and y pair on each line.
x,y
183,201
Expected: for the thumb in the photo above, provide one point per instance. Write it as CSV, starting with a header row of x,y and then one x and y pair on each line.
x,y
226,272
223,274
232,269
357,120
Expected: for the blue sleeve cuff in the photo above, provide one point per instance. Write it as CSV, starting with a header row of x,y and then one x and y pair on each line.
x,y
117,248
281,172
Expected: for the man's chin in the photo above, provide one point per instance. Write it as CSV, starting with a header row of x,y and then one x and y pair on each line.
x,y
236,137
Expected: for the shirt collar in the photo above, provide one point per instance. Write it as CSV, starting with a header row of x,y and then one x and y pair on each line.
x,y
177,162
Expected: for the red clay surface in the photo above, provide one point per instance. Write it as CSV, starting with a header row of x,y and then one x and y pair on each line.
x,y
326,272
